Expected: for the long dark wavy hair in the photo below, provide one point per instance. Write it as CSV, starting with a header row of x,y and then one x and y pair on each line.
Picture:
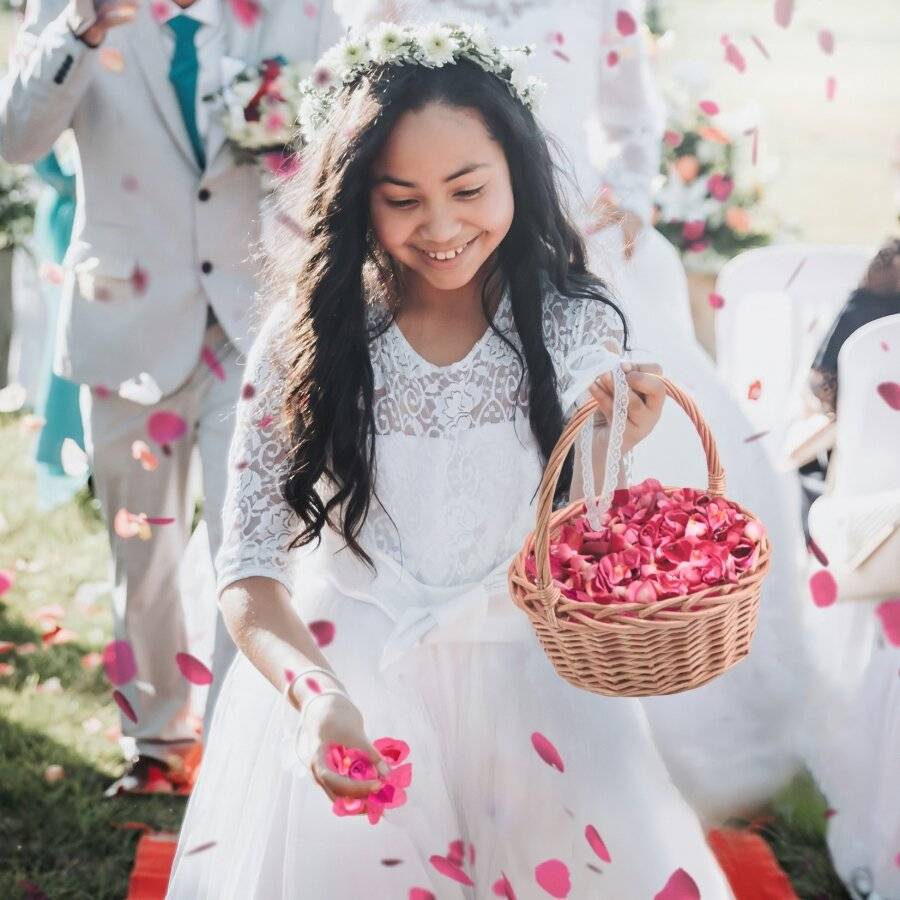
x,y
329,262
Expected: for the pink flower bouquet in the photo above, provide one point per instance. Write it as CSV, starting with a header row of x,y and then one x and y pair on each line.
x,y
654,544
353,763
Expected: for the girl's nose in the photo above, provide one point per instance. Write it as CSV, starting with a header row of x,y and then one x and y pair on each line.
x,y
440,229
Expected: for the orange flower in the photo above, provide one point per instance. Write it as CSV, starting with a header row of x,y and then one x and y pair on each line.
x,y
737,219
714,135
688,167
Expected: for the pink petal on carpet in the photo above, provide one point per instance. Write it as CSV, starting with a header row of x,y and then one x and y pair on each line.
x,y
164,427
118,662
420,894
889,613
323,631
502,888
212,361
7,580
823,588
784,10
596,842
245,11
124,705
710,107
679,887
889,391
625,22
447,868
826,41
192,669
547,752
553,876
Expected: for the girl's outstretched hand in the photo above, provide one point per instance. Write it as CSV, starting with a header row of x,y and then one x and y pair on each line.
x,y
646,396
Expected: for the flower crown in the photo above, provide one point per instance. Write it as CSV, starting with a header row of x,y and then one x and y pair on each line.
x,y
431,46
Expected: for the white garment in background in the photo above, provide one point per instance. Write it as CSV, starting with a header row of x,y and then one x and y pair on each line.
x,y
434,654
732,743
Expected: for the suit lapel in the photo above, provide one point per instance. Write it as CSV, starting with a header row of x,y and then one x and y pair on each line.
x,y
150,50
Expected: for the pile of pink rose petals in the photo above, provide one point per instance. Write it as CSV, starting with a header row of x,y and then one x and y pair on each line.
x,y
654,544
353,763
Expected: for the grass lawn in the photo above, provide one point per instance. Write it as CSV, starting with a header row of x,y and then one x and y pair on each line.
x,y
56,710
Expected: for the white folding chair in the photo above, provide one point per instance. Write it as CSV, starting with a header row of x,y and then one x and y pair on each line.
x,y
780,302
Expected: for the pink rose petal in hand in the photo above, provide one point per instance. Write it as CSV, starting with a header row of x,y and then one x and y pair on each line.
x,y
449,869
889,613
553,876
889,391
118,662
547,752
596,843
823,588
192,669
679,887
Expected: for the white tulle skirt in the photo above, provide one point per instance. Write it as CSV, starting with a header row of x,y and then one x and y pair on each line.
x,y
258,827
733,743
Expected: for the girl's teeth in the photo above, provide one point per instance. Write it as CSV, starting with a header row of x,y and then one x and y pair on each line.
x,y
450,254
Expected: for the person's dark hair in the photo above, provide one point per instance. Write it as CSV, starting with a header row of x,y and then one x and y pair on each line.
x,y
328,256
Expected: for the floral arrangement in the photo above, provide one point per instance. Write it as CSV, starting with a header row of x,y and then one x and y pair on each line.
x,y
432,45
654,544
702,206
261,107
16,206
355,764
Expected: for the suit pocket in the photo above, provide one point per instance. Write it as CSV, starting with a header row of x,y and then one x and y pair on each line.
x,y
108,276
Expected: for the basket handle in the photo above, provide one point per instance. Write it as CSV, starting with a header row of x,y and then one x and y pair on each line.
x,y
715,472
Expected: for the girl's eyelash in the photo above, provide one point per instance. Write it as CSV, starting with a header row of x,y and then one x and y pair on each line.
x,y
405,204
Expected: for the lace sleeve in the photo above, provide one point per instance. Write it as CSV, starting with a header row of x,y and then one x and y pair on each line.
x,y
630,117
257,522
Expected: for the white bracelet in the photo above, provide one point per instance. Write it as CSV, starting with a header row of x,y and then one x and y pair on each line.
x,y
286,692
306,706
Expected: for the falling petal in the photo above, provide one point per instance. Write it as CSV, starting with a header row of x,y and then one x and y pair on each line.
x,y
447,868
322,631
313,685
200,848
889,391
596,842
889,613
830,87
7,580
716,301
124,705
140,451
391,862
130,183
754,390
710,107
547,752
101,391
673,138
625,23
112,60
823,588
139,279
754,147
192,669
119,663
826,41
884,346
679,887
159,520
734,57
502,888
248,392
760,46
160,10
553,876
561,55
757,436
246,11
165,427
212,361
265,422
310,10
612,58
817,552
795,273
784,10
418,893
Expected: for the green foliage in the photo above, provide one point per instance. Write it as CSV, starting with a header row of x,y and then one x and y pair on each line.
x,y
16,205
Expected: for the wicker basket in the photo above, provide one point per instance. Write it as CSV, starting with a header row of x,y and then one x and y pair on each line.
x,y
663,647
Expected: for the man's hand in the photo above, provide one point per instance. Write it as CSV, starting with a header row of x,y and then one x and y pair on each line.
x,y
109,15
605,212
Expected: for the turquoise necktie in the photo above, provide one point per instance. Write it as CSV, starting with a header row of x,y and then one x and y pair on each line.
x,y
183,74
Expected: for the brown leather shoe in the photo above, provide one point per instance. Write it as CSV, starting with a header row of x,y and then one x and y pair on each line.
x,y
142,775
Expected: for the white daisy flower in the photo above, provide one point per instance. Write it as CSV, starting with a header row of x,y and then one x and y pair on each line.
x,y
353,53
480,38
516,60
535,88
386,42
437,44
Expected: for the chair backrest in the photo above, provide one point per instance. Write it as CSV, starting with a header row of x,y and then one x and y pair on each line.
x,y
868,427
780,302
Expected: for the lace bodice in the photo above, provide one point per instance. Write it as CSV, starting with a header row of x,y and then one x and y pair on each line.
x,y
457,466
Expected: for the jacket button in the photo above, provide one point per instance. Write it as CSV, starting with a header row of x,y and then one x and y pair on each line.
x,y
203,195
206,267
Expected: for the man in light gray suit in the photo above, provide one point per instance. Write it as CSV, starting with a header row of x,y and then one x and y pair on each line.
x,y
157,302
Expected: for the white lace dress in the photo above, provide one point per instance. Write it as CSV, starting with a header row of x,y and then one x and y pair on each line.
x,y
433,652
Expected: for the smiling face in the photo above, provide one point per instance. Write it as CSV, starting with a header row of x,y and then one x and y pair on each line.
x,y
441,200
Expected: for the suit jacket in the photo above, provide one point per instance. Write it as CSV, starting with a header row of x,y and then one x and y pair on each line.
x,y
155,240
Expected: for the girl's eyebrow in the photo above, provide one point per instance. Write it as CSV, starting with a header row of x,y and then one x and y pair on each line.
x,y
465,170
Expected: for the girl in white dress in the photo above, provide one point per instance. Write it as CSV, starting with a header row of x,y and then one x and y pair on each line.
x,y
733,743
399,406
